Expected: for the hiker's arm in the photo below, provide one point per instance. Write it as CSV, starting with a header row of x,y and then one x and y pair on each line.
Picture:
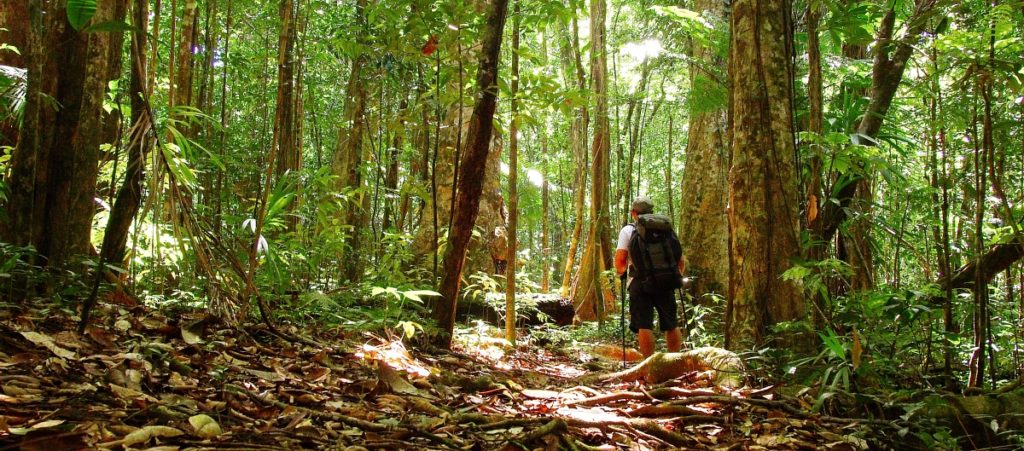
x,y
682,265
621,262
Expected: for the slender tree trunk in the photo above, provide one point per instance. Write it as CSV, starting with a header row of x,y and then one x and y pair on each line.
x,y
348,152
184,61
634,116
391,179
580,122
129,196
284,112
977,359
513,179
472,179
763,219
891,56
590,297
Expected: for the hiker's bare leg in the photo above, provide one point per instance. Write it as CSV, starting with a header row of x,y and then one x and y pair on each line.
x,y
645,338
674,340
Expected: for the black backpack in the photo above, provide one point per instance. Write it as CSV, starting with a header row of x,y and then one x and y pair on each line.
x,y
655,252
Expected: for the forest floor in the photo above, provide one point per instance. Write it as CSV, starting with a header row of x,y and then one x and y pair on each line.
x,y
141,379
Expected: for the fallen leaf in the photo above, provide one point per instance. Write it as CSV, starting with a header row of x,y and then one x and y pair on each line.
x,y
190,337
47,342
204,426
47,424
148,433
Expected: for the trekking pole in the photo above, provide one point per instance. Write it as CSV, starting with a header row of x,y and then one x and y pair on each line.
x,y
622,320
682,307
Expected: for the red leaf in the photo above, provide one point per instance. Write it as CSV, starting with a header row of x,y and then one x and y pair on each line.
x,y
431,46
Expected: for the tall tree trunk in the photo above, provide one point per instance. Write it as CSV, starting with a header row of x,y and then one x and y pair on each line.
x,y
129,196
590,297
54,168
182,88
634,117
391,179
284,112
816,120
471,180
348,153
513,179
579,124
763,219
703,224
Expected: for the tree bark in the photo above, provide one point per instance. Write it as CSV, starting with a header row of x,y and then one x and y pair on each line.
x,y
590,298
471,180
284,113
572,66
703,224
129,196
54,168
763,219
348,152
513,179
14,32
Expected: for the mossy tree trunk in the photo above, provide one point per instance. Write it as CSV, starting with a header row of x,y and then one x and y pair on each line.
x,y
763,219
703,224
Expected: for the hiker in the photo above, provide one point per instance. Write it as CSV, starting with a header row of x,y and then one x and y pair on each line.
x,y
646,296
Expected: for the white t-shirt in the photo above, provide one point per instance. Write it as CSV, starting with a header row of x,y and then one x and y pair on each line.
x,y
624,235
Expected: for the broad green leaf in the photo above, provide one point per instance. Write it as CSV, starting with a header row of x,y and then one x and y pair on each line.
x,y
80,12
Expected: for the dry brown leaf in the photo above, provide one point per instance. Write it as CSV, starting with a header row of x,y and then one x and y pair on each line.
x,y
47,342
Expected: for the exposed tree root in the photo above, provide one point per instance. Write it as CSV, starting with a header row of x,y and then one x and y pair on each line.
x,y
726,366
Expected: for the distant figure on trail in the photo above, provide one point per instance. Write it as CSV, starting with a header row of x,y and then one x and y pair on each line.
x,y
654,257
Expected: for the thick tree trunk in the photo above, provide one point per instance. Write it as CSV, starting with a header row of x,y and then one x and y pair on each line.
x,y
590,297
763,219
703,224
129,196
54,169
14,32
471,180
488,251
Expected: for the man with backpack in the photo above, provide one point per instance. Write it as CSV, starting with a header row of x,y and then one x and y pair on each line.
x,y
651,250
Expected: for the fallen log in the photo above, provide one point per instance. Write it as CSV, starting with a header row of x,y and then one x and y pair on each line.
x,y
531,309
726,366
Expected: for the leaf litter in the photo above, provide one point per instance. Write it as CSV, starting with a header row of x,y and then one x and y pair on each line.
x,y
138,379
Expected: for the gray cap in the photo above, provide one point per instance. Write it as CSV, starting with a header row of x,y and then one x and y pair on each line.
x,y
643,205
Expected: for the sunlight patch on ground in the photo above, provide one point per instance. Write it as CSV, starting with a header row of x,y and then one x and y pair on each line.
x,y
394,355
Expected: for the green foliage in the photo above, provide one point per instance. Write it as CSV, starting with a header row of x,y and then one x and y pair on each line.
x,y
80,12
